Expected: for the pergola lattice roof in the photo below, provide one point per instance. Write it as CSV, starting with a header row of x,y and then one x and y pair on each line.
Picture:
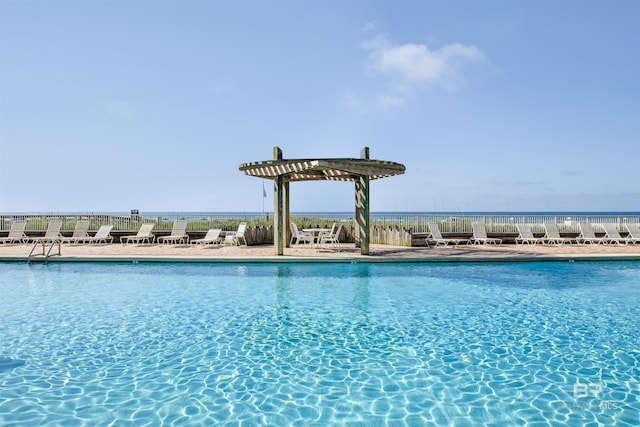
x,y
339,169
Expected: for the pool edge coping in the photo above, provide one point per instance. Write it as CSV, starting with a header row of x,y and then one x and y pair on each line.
x,y
346,260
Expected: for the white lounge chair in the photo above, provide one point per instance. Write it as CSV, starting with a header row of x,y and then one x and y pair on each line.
x,y
211,238
103,235
52,233
144,235
298,237
525,235
236,237
436,236
634,232
16,233
80,232
613,235
178,233
331,240
480,235
588,236
552,235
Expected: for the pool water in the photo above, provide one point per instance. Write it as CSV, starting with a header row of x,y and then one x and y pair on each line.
x,y
320,344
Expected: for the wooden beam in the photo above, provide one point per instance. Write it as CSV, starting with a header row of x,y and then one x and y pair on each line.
x,y
278,209
363,214
363,234
287,214
356,234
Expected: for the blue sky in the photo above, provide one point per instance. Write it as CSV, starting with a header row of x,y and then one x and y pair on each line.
x,y
152,105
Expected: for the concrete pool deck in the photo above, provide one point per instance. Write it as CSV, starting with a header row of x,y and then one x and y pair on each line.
x,y
348,253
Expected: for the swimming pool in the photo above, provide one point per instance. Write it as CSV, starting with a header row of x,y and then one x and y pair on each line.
x,y
320,344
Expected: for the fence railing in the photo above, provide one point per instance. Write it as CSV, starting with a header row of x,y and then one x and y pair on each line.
x,y
126,222
412,223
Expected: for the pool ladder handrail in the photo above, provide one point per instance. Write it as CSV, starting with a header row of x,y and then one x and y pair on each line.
x,y
42,241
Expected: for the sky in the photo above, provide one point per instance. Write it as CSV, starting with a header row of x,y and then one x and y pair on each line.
x,y
496,105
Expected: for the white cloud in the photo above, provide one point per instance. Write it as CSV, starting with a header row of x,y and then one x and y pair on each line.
x,y
369,26
573,173
414,65
390,101
352,101
118,108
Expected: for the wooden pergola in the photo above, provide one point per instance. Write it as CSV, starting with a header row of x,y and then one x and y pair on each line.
x,y
284,171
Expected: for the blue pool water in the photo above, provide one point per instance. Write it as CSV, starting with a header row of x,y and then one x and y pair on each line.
x,y
320,344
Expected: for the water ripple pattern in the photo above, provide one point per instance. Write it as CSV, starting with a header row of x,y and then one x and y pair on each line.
x,y
514,344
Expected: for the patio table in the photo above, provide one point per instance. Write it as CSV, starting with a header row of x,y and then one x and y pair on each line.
x,y
317,232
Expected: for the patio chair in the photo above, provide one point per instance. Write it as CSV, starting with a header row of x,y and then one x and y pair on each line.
x,y
80,232
211,238
144,235
298,237
613,235
436,236
103,235
16,233
331,240
588,236
480,235
525,235
552,235
178,233
332,230
235,237
634,232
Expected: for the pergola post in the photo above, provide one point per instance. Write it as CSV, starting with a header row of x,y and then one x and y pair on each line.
x,y
278,209
363,233
287,214
356,232
364,229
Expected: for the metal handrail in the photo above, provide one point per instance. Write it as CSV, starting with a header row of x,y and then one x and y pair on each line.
x,y
46,254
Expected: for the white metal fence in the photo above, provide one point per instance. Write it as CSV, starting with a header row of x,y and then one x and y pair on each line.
x,y
410,222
